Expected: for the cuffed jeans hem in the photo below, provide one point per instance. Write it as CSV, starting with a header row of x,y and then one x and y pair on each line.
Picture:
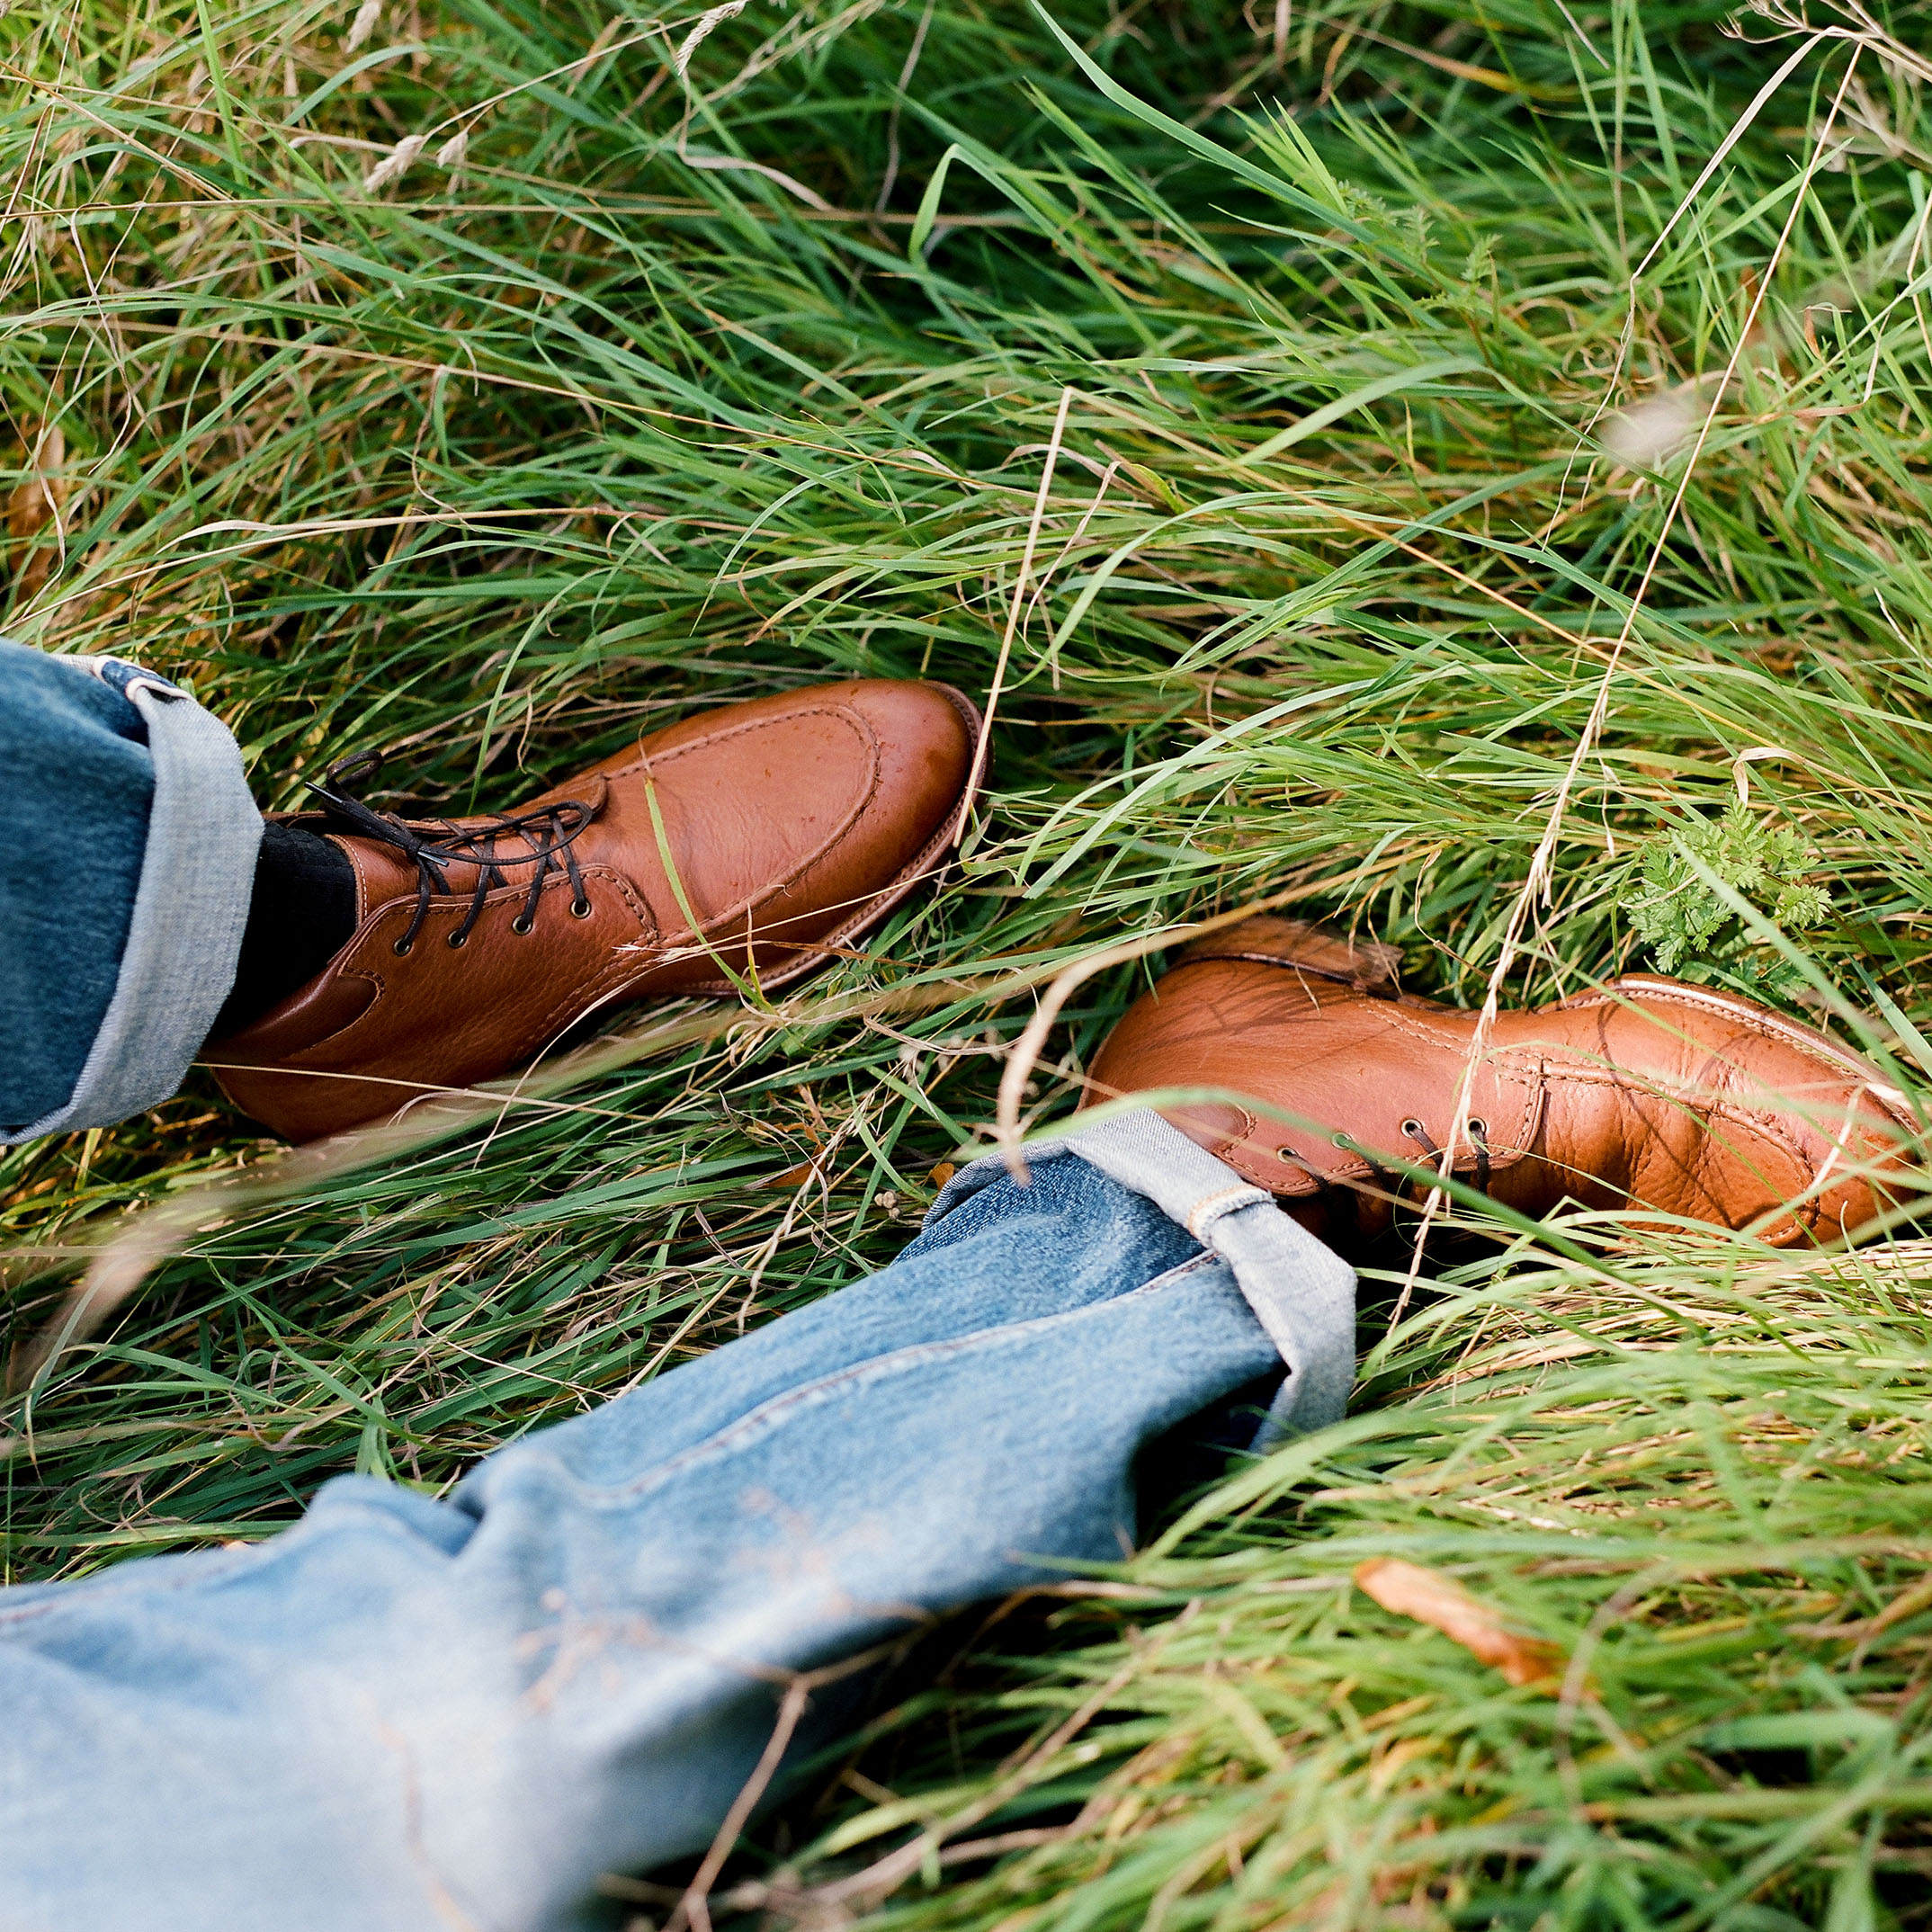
x,y
185,934
1303,1292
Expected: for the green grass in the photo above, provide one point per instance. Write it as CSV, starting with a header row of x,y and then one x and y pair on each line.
x,y
498,462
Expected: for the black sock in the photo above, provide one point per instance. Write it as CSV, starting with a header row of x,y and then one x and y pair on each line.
x,y
301,916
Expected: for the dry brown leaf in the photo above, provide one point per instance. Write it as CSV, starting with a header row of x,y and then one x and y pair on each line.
x,y
38,500
941,1175
792,1177
1441,1602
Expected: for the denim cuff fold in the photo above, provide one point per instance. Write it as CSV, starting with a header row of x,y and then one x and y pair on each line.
x,y
185,933
1301,1292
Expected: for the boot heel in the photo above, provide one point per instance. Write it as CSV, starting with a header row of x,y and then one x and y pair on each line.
x,y
1365,964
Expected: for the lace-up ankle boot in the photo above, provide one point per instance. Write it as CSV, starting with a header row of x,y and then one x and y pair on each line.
x,y
743,846
1683,1101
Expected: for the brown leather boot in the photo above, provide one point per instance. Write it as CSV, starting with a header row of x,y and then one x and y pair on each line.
x,y
783,828
1651,1093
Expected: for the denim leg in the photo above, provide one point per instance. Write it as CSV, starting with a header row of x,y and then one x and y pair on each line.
x,y
404,1715
75,783
133,838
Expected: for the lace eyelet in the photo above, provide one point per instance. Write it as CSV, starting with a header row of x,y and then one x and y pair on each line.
x,y
1286,1153
457,940
520,926
1413,1128
403,948
580,908
1477,1124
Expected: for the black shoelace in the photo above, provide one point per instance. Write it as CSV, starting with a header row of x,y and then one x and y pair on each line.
x,y
1478,1139
547,832
1383,1184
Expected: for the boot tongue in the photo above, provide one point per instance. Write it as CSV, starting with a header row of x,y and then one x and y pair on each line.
x,y
385,872
381,872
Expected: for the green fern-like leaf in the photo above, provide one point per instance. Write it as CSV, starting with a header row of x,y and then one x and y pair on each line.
x,y
1690,929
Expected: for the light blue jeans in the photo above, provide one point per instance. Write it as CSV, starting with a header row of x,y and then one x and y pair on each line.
x,y
132,843
413,1715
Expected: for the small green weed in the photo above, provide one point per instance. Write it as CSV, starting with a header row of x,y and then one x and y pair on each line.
x,y
1694,930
